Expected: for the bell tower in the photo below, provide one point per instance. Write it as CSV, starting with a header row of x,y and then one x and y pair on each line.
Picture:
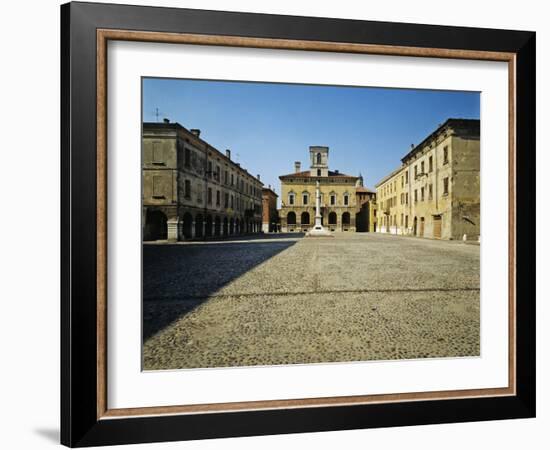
x,y
319,161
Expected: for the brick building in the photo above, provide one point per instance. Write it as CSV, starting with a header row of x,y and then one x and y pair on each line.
x,y
270,216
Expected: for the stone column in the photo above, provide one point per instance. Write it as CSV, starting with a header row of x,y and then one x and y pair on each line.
x,y
173,228
317,204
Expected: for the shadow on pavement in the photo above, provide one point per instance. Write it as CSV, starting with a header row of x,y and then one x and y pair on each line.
x,y
179,278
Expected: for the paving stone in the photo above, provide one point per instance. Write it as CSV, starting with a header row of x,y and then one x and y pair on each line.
x,y
355,297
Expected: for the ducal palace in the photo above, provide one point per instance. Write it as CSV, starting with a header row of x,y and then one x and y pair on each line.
x,y
192,190
346,205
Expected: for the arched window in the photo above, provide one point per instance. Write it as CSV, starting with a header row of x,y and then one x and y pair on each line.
x,y
346,218
304,219
332,218
318,158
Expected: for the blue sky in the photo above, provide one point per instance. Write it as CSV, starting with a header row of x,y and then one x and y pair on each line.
x,y
268,126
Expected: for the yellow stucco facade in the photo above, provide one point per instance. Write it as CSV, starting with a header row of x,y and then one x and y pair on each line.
x,y
339,206
435,193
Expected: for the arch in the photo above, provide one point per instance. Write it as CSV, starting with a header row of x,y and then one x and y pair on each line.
x,y
231,226
187,225
304,219
217,226
156,227
346,218
199,225
291,218
318,158
208,231
332,218
225,226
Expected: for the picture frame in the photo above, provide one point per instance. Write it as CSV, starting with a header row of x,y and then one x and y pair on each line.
x,y
86,28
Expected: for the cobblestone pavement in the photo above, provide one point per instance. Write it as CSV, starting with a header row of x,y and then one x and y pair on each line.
x,y
306,300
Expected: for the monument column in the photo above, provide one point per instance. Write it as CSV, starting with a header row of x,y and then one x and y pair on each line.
x,y
318,229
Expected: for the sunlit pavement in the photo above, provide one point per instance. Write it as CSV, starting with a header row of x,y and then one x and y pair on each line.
x,y
288,299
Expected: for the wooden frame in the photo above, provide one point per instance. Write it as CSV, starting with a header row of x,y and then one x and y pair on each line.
x,y
86,418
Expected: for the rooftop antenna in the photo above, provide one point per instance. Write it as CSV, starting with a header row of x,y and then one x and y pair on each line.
x,y
157,113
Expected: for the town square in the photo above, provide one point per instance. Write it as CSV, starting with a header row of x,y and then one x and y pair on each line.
x,y
292,300
303,259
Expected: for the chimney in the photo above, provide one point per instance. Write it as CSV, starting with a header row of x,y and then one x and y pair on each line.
x,y
336,171
297,166
166,120
196,132
228,153
258,176
412,146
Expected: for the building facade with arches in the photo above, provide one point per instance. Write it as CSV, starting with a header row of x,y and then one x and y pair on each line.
x,y
339,205
191,190
435,193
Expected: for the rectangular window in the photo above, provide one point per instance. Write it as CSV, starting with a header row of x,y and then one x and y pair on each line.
x,y
232,179
291,199
333,200
232,202
445,155
422,167
217,198
209,169
187,157
158,191
226,200
226,177
407,177
218,172
430,192
422,194
446,186
431,164
187,189
407,198
209,196
415,171
415,195
157,153
346,200
304,199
